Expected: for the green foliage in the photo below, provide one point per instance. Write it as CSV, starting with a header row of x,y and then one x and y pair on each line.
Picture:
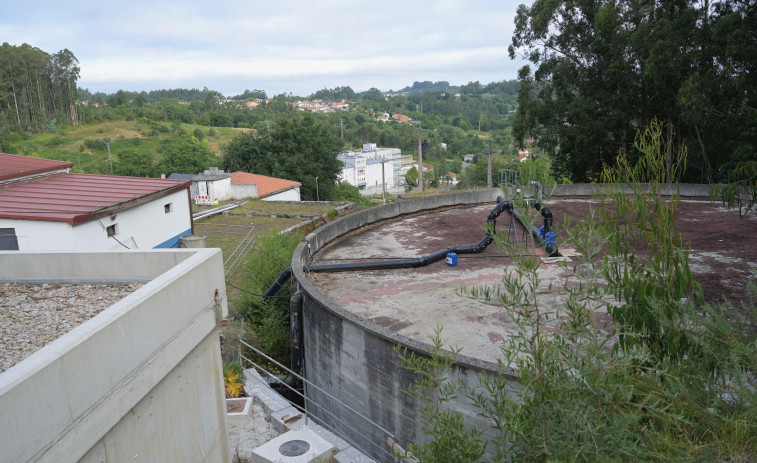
x,y
531,169
669,379
37,89
270,320
450,440
661,275
299,149
603,69
332,214
412,176
343,191
131,162
184,155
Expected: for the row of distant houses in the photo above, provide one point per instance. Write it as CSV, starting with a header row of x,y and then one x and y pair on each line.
x,y
385,117
44,206
320,106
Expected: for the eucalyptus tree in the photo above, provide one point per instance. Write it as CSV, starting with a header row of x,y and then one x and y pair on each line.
x,y
602,69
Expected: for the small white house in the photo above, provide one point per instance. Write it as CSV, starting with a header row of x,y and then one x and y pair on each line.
x,y
43,208
215,185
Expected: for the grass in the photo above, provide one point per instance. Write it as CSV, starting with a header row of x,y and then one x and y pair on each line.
x,y
68,144
227,231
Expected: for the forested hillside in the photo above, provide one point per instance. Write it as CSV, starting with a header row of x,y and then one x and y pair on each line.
x,y
163,131
36,88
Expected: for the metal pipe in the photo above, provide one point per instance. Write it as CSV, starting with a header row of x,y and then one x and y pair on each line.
x,y
296,333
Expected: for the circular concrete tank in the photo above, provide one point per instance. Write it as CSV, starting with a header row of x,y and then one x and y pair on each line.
x,y
352,355
353,321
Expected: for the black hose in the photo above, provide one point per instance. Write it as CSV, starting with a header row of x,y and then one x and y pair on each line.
x,y
276,286
502,205
413,262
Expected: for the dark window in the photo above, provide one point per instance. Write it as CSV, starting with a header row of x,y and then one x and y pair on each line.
x,y
168,208
112,230
8,239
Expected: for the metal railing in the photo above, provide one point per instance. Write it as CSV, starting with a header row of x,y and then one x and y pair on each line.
x,y
379,448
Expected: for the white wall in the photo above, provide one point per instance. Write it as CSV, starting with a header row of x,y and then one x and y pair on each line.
x,y
218,190
373,174
292,194
142,227
38,235
141,381
241,191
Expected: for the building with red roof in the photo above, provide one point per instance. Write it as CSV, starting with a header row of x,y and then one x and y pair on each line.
x,y
246,185
45,207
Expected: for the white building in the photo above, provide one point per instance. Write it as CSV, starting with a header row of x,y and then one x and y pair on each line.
x,y
215,185
372,167
43,207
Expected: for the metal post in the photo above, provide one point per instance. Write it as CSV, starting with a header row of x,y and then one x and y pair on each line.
x,y
420,159
317,194
489,169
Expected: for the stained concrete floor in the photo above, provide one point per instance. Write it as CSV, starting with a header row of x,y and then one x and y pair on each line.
x,y
413,302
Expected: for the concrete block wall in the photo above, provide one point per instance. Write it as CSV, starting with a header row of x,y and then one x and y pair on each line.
x,y
140,381
355,360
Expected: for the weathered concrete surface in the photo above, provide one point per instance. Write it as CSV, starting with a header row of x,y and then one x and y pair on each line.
x,y
141,380
353,321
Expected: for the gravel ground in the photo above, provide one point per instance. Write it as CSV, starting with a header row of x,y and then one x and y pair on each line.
x,y
32,316
254,432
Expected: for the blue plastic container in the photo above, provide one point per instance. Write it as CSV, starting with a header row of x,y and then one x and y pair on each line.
x,y
452,259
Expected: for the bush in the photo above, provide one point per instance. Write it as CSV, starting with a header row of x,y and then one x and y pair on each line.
x,y
671,379
269,319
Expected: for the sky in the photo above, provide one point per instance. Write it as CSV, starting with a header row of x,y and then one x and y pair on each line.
x,y
280,46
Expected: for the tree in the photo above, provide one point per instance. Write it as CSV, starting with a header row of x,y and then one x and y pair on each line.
x,y
182,154
133,163
412,176
300,149
602,69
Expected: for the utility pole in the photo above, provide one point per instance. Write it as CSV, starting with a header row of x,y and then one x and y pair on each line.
x,y
317,194
489,168
420,159
106,142
341,129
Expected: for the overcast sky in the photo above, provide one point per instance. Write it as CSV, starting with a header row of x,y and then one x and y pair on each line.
x,y
297,46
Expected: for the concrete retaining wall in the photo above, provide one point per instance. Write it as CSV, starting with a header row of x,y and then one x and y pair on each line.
x,y
691,190
140,381
354,359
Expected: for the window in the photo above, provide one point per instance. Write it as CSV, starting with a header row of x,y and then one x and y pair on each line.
x,y
168,208
8,239
112,230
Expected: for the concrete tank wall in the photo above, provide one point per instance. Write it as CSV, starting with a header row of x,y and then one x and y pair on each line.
x,y
354,359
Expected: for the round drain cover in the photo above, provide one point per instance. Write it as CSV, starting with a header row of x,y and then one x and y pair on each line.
x,y
294,448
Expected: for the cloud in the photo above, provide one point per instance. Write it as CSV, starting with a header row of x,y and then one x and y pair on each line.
x,y
304,44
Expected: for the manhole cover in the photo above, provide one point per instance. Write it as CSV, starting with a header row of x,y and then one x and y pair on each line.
x,y
294,448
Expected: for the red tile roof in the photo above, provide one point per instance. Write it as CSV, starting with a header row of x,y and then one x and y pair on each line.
x,y
79,198
13,166
266,185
